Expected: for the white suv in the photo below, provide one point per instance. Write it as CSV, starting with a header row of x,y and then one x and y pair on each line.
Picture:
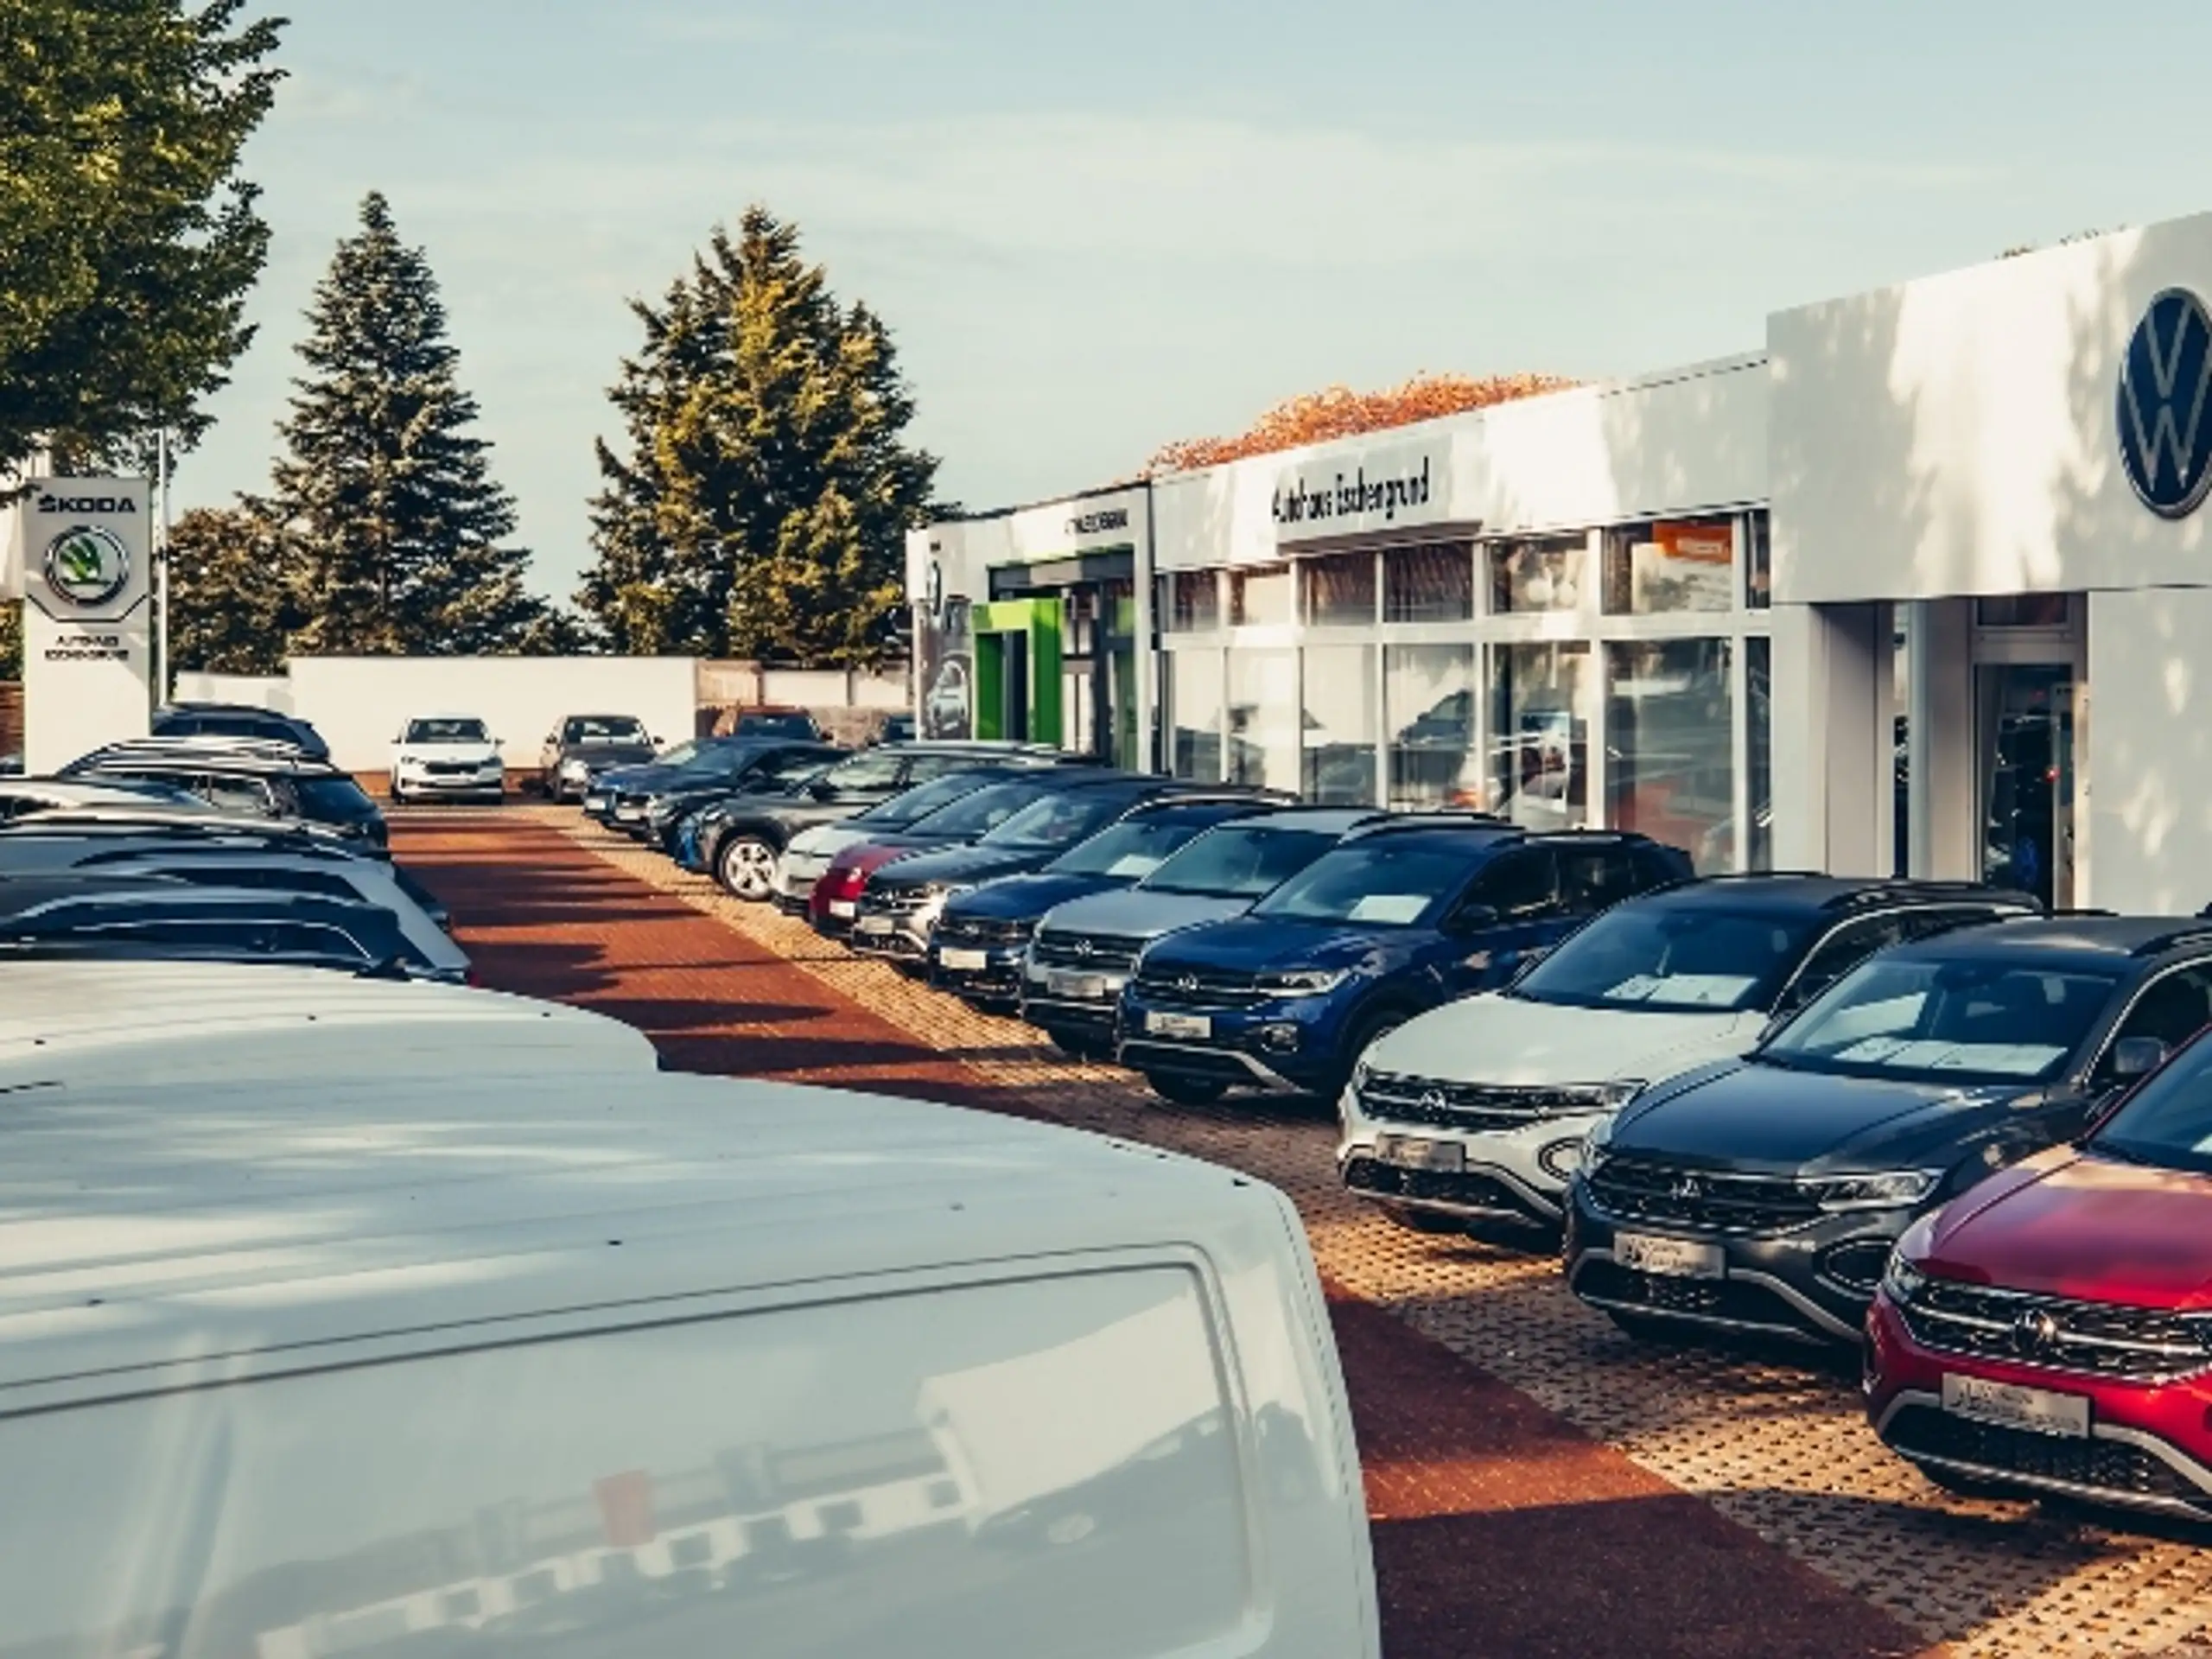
x,y
1475,1112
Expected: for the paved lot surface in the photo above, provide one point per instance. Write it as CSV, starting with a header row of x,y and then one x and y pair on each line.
x,y
1540,1483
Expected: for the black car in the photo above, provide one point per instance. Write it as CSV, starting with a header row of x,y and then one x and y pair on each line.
x,y
624,796
901,901
977,947
896,728
1763,1195
236,720
768,766
580,746
247,777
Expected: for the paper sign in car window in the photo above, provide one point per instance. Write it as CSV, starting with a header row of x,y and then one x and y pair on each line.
x,y
1388,907
1134,866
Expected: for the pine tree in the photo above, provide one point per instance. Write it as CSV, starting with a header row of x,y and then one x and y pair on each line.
x,y
384,490
761,507
237,595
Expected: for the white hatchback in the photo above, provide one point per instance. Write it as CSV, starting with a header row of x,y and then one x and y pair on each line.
x,y
1476,1111
446,755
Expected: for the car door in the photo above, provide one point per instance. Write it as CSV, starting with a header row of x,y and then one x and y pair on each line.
x,y
2168,1009
1519,890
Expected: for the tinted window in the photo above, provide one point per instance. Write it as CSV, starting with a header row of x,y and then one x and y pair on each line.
x,y
333,800
919,803
1595,878
603,728
681,753
1521,886
1907,1015
869,772
2169,1122
1131,850
1062,819
981,811
237,794
1388,881
445,731
1655,955
2171,1010
1240,862
776,725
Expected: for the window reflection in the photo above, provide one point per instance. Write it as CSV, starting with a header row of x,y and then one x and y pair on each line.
x,y
1670,747
1540,743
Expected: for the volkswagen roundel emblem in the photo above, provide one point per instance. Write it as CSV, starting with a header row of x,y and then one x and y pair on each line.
x,y
2035,1332
1084,947
2165,404
1188,983
1688,1187
1431,1099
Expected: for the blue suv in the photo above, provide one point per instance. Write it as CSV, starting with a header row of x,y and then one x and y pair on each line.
x,y
1399,917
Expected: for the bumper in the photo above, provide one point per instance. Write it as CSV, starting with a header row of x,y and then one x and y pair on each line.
x,y
470,784
1076,1005
1488,1175
982,973
2148,1448
1285,1046
1810,1284
795,874
894,938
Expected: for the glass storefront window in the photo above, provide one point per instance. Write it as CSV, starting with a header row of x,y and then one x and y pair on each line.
x,y
1670,565
1337,591
2022,611
1539,735
1263,718
1549,574
1338,727
1428,697
1190,601
1191,699
1434,582
1758,760
1261,596
1758,556
1669,772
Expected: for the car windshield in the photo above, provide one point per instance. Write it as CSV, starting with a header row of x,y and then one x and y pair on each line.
x,y
333,800
681,753
1239,861
979,812
1673,957
1128,851
1946,1021
864,773
776,725
2168,1124
914,805
1391,881
603,728
1061,819
456,729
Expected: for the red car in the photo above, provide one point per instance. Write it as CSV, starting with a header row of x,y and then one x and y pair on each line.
x,y
2049,1333
830,907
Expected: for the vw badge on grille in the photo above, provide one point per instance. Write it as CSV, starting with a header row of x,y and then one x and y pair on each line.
x,y
1083,948
1187,984
2035,1332
1431,1099
1687,1188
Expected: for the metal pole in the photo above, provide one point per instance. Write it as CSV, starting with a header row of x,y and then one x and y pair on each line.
x,y
161,575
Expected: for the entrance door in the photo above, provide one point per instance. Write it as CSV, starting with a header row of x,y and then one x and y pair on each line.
x,y
2026,738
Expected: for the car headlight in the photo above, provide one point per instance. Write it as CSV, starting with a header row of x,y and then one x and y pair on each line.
x,y
1901,1281
1594,1144
1617,1094
1361,1071
575,767
1889,1190
1303,982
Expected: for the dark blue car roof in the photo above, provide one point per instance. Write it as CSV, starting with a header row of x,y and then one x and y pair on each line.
x,y
2058,941
1793,895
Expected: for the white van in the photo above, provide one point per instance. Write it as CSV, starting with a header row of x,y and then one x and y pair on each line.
x,y
673,1366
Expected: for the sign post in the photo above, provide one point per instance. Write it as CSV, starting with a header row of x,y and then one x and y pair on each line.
x,y
83,550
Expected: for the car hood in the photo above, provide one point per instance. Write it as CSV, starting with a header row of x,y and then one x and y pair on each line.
x,y
1745,1114
1251,944
2069,1223
638,778
961,866
1494,1039
1024,897
1133,913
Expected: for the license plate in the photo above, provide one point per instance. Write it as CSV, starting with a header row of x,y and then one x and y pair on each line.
x,y
1082,988
1671,1258
1179,1025
594,803
963,962
2009,1406
872,925
627,810
843,907
1411,1151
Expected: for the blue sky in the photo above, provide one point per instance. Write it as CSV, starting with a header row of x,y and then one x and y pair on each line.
x,y
1095,228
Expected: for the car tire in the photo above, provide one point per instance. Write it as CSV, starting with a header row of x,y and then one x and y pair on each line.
x,y
399,795
1185,1091
746,866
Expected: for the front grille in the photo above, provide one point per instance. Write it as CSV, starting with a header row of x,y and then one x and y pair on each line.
x,y
892,901
1102,953
1199,987
450,768
1636,1188
2098,1338
1470,1192
2112,1467
1733,1301
1392,1097
971,930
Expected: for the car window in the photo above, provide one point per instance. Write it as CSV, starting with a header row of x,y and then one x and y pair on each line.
x,y
1061,819
865,773
2167,1123
920,801
789,765
981,811
2170,1009
1591,879
1657,954
1129,850
1239,861
1913,1016
445,730
1521,886
236,794
333,800
776,725
602,729
1385,881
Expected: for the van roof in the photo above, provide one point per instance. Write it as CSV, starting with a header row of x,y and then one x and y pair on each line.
x,y
155,1236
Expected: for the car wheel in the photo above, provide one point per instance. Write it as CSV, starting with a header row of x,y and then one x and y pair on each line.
x,y
399,795
1185,1091
747,866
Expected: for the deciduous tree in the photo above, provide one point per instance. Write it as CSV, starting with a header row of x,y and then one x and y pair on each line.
x,y
1340,412
237,595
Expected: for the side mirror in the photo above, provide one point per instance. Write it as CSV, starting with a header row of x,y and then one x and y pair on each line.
x,y
2136,1057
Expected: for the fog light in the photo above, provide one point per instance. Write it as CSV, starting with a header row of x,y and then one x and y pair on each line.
x,y
1282,1038
1561,1159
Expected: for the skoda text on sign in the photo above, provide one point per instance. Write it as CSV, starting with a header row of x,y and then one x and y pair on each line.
x,y
2165,404
86,547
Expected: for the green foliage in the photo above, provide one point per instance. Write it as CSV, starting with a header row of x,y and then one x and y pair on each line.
x,y
395,526
236,593
759,503
127,238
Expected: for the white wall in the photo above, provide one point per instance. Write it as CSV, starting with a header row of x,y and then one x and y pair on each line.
x,y
358,703
1959,435
254,691
1677,441
2145,836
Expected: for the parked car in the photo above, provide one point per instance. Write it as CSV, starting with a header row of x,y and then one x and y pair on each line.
x,y
2049,1335
22,798
1477,1110
622,796
641,1382
778,720
900,902
1086,948
239,720
1398,917
248,778
1764,1194
896,728
740,839
440,757
976,949
753,766
580,746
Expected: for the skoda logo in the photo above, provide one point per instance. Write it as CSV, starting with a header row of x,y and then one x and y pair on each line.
x,y
1431,1099
2034,1332
86,565
1188,983
2166,384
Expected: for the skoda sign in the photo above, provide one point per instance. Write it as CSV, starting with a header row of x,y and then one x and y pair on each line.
x,y
2165,404
86,565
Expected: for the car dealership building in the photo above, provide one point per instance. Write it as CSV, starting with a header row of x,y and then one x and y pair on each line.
x,y
1843,603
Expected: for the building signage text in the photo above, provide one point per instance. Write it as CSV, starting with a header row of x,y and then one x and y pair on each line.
x,y
1300,501
1095,523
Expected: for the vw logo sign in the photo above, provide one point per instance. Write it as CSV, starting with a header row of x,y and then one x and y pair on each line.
x,y
1187,984
1083,948
2166,384
2034,1332
1431,1099
85,565
1687,1188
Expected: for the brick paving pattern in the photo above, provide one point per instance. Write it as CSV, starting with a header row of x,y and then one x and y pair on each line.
x,y
1779,1449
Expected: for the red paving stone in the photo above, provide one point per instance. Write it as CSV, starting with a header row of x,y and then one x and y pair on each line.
x,y
1498,1528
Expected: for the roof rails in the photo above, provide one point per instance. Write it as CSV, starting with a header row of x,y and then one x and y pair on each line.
x,y
1406,822
2174,938
1910,887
